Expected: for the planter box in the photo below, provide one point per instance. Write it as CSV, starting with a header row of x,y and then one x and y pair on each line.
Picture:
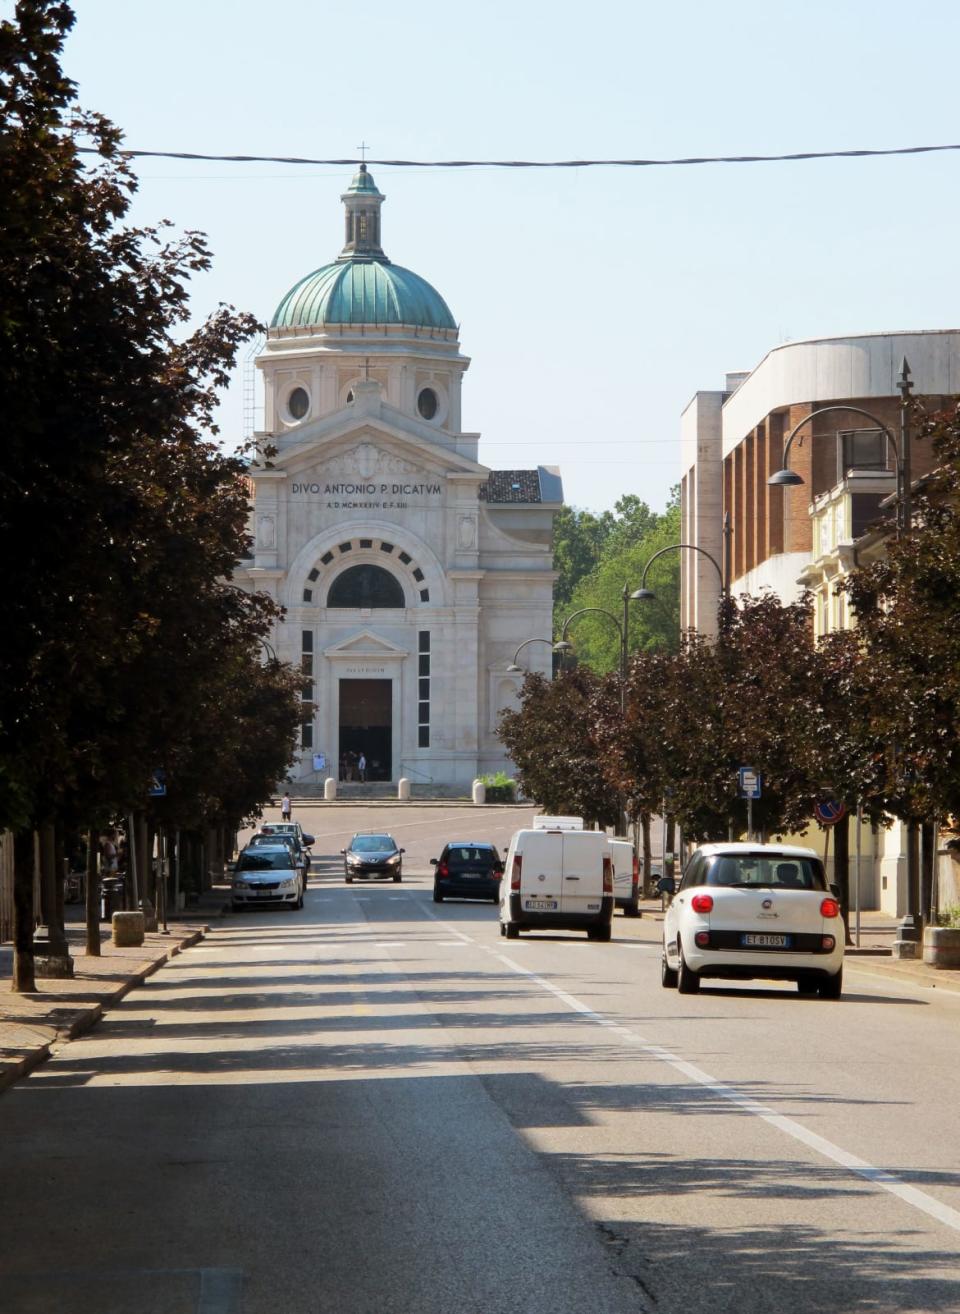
x,y
941,946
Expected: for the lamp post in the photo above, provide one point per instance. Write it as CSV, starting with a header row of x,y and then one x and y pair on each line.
x,y
513,668
910,928
564,645
648,595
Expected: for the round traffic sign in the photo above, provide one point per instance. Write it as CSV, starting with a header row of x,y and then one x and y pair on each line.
x,y
828,812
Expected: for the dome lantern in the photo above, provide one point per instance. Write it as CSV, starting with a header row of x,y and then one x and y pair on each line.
x,y
362,202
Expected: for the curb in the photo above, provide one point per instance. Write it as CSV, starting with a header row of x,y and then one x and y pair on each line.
x,y
88,1018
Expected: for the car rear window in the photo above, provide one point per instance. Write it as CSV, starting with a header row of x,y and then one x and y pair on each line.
x,y
472,856
776,871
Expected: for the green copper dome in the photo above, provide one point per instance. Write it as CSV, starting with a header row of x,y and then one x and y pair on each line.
x,y
362,287
362,292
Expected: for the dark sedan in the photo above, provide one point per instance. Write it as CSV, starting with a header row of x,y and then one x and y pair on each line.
x,y
372,855
467,869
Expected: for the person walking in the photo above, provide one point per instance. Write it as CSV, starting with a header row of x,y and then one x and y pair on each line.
x,y
285,807
362,766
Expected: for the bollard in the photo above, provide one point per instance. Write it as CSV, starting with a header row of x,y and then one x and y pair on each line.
x,y
941,946
127,929
403,788
479,792
329,789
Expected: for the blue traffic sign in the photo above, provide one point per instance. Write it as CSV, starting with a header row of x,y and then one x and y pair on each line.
x,y
750,782
158,785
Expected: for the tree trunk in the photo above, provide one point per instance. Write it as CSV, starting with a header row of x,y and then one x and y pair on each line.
x,y
24,980
93,896
47,871
647,855
59,945
841,868
928,861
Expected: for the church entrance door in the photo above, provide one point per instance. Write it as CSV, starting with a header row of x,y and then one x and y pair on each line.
x,y
366,727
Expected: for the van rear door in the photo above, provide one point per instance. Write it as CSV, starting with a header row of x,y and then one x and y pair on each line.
x,y
541,871
583,854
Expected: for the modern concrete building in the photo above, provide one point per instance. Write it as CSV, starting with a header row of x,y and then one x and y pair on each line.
x,y
788,539
409,571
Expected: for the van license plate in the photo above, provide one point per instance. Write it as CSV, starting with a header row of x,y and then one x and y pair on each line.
x,y
766,941
541,905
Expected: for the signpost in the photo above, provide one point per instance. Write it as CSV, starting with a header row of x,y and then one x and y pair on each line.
x,y
750,788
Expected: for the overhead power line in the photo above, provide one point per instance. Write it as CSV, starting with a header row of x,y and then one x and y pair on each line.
x,y
535,164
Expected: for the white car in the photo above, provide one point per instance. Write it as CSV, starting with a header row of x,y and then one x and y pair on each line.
x,y
744,911
266,874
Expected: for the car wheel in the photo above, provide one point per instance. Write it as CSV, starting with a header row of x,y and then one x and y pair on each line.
x,y
599,933
831,986
437,896
688,983
632,909
807,985
397,879
512,931
235,905
348,879
503,928
668,976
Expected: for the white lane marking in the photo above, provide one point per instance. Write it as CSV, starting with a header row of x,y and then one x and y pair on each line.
x,y
389,944
879,1176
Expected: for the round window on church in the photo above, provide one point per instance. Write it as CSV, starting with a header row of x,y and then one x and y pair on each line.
x,y
298,403
427,403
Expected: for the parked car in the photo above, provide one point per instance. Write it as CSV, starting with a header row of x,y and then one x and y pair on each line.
x,y
292,843
467,869
371,854
743,911
265,874
557,877
626,877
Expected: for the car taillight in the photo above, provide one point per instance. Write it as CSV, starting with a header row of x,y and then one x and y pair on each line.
x,y
636,875
829,908
702,939
828,943
443,869
607,876
515,873
702,903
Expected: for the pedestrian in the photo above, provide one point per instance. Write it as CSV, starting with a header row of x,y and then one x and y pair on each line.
x,y
108,853
285,807
362,766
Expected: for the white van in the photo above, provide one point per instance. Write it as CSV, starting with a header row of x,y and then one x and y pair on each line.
x,y
557,878
626,877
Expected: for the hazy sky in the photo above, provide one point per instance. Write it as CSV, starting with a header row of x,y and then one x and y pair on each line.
x,y
593,302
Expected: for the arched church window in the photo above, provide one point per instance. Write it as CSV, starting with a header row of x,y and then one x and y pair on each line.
x,y
365,586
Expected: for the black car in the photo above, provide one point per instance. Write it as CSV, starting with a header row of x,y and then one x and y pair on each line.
x,y
467,869
372,855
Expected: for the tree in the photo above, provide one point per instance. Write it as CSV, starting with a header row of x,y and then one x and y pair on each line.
x,y
124,522
549,737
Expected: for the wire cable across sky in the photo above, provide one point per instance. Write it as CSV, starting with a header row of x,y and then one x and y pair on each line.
x,y
535,164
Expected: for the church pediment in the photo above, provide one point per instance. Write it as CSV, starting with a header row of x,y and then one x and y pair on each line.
x,y
373,448
367,646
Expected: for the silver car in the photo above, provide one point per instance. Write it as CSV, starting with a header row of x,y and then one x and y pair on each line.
x,y
266,874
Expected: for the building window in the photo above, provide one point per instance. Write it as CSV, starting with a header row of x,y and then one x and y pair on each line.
x,y
427,403
307,689
386,547
861,449
298,403
365,586
423,689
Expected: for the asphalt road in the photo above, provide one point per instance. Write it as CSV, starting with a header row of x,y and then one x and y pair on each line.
x,y
377,1105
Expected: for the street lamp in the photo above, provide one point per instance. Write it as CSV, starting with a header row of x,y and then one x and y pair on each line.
x,y
648,595
513,668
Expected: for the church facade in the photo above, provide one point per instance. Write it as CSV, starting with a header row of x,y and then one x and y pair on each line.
x,y
410,573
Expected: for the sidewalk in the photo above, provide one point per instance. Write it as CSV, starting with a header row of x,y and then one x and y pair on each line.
x,y
60,1009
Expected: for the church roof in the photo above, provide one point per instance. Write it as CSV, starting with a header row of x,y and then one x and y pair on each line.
x,y
363,292
511,486
362,286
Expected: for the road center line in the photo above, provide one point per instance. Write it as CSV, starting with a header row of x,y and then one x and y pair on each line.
x,y
835,1153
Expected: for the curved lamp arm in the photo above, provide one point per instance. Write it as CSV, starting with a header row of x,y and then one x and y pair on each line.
x,y
825,410
513,665
689,547
583,610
